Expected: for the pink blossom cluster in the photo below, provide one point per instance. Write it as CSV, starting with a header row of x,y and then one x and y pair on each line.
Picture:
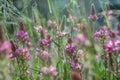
x,y
22,35
112,46
104,33
70,48
49,70
20,52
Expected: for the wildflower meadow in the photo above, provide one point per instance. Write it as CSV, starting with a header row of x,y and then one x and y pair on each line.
x,y
59,39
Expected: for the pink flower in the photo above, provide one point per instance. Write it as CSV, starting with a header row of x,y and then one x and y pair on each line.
x,y
49,70
110,12
44,42
53,70
64,34
50,23
27,54
109,46
46,55
28,72
11,56
72,18
72,64
22,35
38,52
42,54
71,49
104,33
38,28
18,52
110,18
80,39
81,53
44,70
78,67
5,47
112,46
93,15
98,56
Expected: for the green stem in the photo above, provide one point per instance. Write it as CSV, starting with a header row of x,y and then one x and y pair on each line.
x,y
49,6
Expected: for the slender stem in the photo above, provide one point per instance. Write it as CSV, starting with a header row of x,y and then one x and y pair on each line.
x,y
49,6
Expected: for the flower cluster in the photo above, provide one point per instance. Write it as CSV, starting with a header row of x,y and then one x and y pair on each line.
x,y
42,54
74,56
104,34
75,65
52,23
19,52
80,39
44,42
72,18
108,12
49,70
112,46
45,39
93,15
22,35
71,48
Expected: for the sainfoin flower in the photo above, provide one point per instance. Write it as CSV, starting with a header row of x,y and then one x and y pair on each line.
x,y
42,54
70,49
44,42
5,47
27,54
80,38
93,15
78,67
110,12
75,65
72,64
112,46
24,52
104,33
45,39
38,28
53,70
22,35
46,55
44,70
52,23
81,53
49,70
98,56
